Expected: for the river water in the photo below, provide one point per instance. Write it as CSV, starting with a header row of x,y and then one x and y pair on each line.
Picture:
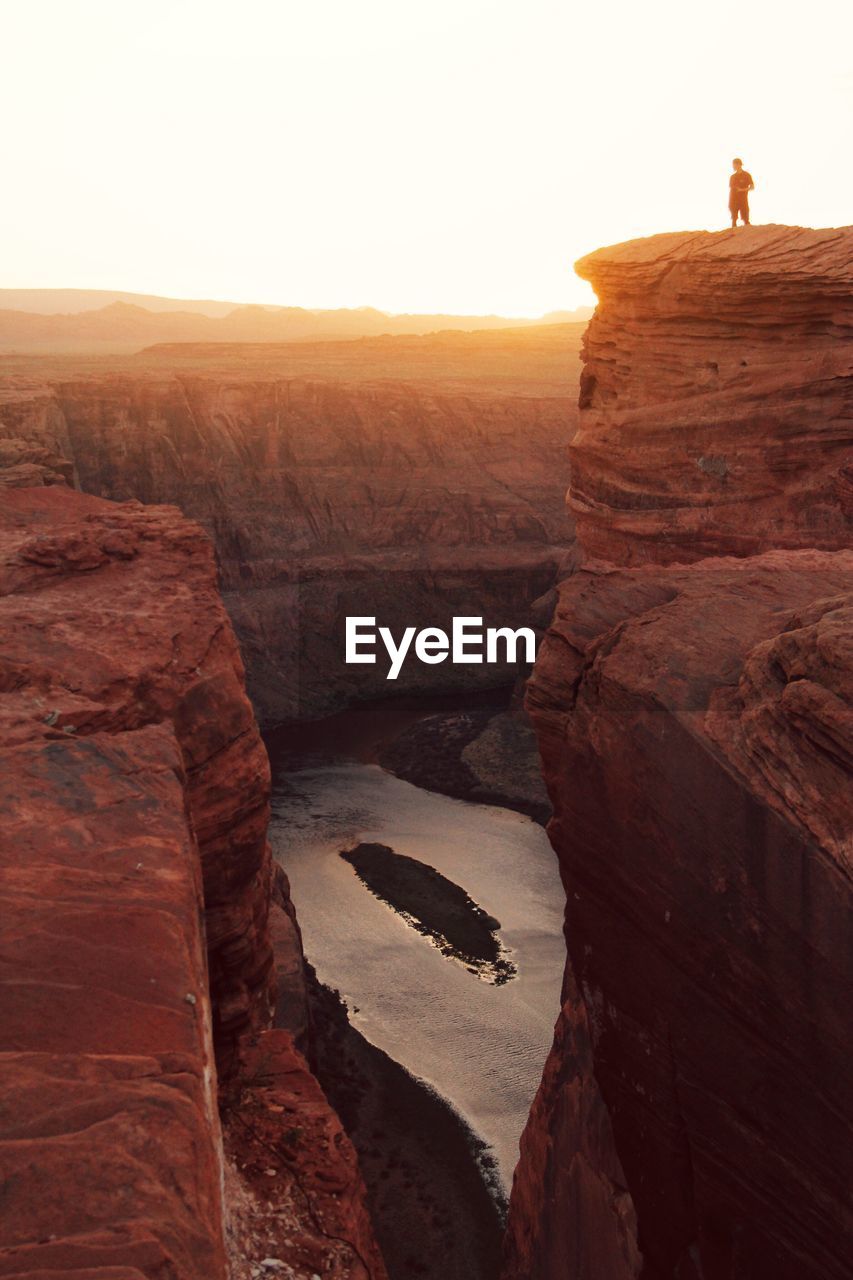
x,y
480,1046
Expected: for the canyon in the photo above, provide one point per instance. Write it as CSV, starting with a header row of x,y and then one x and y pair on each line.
x,y
691,701
412,497
154,984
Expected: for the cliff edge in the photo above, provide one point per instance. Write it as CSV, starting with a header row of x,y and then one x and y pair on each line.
x,y
136,890
692,701
716,396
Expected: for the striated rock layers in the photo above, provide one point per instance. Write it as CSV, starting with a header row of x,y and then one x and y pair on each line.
x,y
136,887
407,503
112,622
694,719
716,396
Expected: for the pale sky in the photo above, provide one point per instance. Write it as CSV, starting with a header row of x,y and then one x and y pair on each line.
x,y
415,155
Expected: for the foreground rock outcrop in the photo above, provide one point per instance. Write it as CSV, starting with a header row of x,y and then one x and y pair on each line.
x,y
111,622
716,396
694,719
108,1123
410,503
136,891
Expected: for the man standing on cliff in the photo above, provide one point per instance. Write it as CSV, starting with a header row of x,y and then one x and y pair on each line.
x,y
740,185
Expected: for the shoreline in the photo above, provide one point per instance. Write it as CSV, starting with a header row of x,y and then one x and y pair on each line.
x,y
438,753
482,751
437,1201
431,1181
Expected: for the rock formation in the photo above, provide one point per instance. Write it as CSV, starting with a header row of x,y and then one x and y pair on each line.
x,y
407,503
692,703
716,397
112,621
294,1191
136,892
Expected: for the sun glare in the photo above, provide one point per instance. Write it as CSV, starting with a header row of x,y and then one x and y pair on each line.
x,y
455,155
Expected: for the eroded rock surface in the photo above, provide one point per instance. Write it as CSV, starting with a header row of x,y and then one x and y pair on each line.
x,y
108,1124
694,719
112,621
295,1192
716,396
410,503
136,887
571,1214
708,922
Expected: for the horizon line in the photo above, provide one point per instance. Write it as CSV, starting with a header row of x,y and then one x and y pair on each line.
x,y
290,306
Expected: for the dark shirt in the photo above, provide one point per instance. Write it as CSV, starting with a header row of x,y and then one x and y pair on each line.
x,y
740,181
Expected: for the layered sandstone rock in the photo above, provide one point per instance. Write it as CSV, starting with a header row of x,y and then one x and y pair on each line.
x,y
108,1125
694,721
708,908
136,888
571,1214
112,621
24,464
716,396
407,503
125,734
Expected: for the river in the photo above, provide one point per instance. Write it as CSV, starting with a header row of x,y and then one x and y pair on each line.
x,y
480,1046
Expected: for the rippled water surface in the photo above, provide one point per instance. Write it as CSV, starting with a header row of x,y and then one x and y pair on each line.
x,y
482,1047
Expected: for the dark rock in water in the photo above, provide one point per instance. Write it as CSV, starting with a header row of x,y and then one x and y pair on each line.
x,y
435,906
483,754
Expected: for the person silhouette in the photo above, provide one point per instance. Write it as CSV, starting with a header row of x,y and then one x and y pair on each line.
x,y
740,185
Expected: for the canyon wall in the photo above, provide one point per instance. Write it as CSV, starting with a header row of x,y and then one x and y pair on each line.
x,y
327,499
716,397
135,936
692,703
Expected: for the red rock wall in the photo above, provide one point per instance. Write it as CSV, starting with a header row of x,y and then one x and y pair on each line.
x,y
325,499
109,1138
694,722
136,889
294,1186
571,1213
716,396
113,621
108,1126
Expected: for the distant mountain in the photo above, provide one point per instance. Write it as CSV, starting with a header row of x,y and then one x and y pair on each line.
x,y
77,320
51,302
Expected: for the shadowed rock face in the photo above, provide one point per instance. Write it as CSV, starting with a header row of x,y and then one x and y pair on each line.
x,y
716,396
293,1187
708,915
694,721
410,504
